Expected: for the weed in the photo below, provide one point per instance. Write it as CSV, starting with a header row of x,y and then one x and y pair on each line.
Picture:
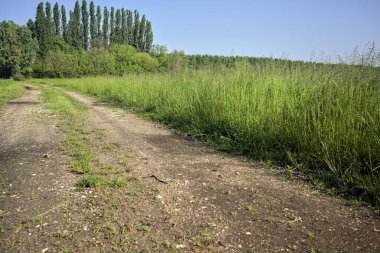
x,y
37,218
110,146
249,208
89,181
203,239
170,246
64,250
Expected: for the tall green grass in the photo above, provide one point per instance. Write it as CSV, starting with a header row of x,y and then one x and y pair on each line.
x,y
9,89
322,119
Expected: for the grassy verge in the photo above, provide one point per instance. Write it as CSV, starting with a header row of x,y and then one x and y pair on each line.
x,y
79,144
9,89
322,120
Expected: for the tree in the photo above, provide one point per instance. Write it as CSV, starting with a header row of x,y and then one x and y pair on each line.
x,y
98,22
48,26
142,33
64,24
124,31
136,30
75,28
85,25
56,17
130,27
112,26
40,26
148,37
93,23
18,50
118,36
105,27
32,27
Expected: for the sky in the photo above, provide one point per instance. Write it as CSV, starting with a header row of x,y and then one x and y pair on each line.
x,y
294,29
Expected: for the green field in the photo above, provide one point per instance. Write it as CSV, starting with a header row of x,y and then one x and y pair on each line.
x,y
9,89
320,121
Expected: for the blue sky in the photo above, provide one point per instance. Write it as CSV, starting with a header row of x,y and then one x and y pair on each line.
x,y
295,29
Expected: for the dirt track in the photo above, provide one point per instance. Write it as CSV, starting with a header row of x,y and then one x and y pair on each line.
x,y
191,193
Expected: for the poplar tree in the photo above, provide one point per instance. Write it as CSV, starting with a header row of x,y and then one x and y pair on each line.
x,y
105,27
124,31
48,26
98,23
93,28
56,17
148,37
75,27
64,24
118,39
112,26
142,34
85,25
40,26
49,20
32,27
130,27
136,29
70,28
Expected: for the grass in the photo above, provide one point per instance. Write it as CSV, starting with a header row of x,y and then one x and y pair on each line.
x,y
79,144
323,120
9,89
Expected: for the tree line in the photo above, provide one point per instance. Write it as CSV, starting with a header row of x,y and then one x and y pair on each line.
x,y
90,27
114,41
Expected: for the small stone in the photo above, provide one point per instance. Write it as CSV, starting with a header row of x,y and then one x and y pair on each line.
x,y
248,233
44,250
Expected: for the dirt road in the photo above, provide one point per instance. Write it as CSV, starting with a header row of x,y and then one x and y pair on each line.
x,y
186,197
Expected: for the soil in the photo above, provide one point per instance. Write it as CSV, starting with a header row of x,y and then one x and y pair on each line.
x,y
184,196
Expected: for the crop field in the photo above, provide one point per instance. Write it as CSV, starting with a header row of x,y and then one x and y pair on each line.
x,y
317,120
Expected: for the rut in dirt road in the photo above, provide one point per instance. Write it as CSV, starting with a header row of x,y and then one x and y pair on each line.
x,y
33,178
217,202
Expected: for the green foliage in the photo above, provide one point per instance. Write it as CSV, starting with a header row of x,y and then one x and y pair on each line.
x,y
142,34
9,89
64,61
148,37
323,119
118,31
130,27
57,19
49,24
93,25
64,24
105,27
98,25
84,29
136,29
84,25
112,26
41,30
124,30
75,30
17,50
